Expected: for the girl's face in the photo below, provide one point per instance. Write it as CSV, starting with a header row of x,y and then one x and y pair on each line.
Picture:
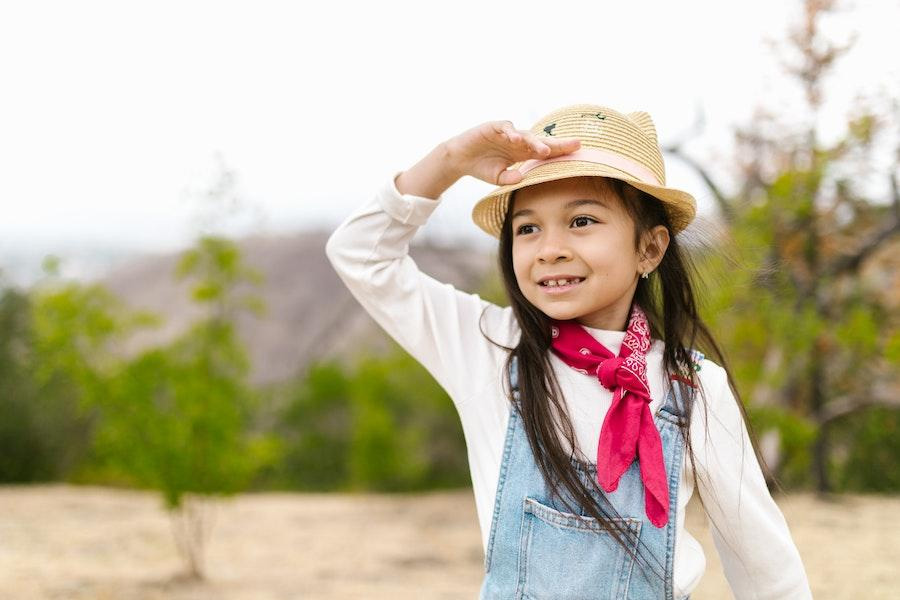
x,y
576,228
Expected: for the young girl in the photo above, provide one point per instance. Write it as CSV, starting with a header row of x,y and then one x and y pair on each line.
x,y
589,417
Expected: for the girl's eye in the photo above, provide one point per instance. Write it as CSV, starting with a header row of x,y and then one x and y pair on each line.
x,y
583,218
521,227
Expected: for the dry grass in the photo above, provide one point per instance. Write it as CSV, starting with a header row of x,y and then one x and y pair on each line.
x,y
94,543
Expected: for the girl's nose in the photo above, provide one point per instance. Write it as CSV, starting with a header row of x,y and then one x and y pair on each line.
x,y
553,248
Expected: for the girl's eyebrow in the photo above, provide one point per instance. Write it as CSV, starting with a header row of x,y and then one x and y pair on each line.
x,y
573,204
585,202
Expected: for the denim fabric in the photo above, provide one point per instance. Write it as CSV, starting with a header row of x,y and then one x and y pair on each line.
x,y
539,550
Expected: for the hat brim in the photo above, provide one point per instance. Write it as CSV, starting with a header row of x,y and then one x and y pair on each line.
x,y
489,212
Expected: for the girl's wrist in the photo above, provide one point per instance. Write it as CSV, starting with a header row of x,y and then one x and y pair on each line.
x,y
431,176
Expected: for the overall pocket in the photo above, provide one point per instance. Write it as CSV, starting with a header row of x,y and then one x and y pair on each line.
x,y
566,556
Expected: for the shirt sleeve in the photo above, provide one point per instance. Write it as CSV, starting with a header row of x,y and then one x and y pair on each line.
x,y
437,324
751,536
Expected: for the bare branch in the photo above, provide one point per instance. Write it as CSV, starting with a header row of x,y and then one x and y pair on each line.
x,y
844,406
882,389
850,262
724,205
895,196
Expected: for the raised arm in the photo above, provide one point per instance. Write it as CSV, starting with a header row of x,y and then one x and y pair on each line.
x,y
750,533
437,324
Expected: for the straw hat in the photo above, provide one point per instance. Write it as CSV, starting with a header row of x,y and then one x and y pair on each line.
x,y
612,145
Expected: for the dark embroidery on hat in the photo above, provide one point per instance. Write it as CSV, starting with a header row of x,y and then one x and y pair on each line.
x,y
599,115
549,128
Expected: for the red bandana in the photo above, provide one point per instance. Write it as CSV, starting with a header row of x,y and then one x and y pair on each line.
x,y
628,430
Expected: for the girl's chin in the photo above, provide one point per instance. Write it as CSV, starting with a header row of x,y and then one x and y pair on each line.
x,y
559,315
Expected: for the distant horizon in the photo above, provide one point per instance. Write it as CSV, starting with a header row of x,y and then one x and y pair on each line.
x,y
86,260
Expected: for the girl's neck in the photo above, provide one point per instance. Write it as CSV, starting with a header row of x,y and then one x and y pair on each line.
x,y
604,331
611,338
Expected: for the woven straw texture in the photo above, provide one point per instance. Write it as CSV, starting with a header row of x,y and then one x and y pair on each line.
x,y
631,136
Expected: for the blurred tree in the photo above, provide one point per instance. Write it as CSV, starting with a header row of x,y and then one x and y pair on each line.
x,y
177,418
26,448
406,434
316,426
811,331
60,347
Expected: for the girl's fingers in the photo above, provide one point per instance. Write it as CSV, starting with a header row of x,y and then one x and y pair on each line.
x,y
509,177
558,147
563,145
549,146
540,147
527,144
519,139
506,129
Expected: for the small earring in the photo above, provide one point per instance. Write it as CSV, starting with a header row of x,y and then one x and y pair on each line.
x,y
645,275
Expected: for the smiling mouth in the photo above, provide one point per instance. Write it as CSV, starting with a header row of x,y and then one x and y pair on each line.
x,y
561,283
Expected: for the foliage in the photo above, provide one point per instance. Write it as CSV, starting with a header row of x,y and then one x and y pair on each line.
x,y
866,450
802,340
811,338
59,349
317,427
177,418
27,451
383,425
797,435
174,418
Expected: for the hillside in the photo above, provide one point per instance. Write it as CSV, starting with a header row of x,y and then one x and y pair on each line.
x,y
305,300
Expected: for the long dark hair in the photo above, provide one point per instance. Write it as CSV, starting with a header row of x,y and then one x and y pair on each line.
x,y
669,300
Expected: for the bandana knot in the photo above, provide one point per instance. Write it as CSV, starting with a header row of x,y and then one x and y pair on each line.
x,y
608,372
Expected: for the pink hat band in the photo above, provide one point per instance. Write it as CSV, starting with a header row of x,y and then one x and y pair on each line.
x,y
601,157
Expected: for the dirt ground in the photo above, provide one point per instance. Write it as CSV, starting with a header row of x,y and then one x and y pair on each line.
x,y
65,542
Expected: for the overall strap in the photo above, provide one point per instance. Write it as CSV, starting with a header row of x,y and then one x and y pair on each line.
x,y
514,373
675,401
696,358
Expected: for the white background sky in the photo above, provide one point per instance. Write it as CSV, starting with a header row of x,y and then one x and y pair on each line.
x,y
113,114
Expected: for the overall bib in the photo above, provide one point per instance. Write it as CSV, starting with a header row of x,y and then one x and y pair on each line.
x,y
539,551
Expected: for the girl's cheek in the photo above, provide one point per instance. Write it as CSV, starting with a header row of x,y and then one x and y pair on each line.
x,y
521,278
518,261
518,278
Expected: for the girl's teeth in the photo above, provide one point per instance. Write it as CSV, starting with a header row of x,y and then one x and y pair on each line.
x,y
557,282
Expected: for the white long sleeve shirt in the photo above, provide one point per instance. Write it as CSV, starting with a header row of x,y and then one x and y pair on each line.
x,y
440,326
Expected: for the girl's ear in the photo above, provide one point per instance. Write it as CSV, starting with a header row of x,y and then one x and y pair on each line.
x,y
653,247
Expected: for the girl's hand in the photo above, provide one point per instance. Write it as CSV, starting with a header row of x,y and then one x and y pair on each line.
x,y
485,151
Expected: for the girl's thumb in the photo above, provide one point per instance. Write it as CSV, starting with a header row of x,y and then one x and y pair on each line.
x,y
509,177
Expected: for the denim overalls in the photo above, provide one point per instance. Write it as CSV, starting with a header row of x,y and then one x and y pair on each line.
x,y
538,551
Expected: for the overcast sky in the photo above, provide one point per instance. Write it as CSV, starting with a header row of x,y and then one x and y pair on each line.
x,y
115,117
